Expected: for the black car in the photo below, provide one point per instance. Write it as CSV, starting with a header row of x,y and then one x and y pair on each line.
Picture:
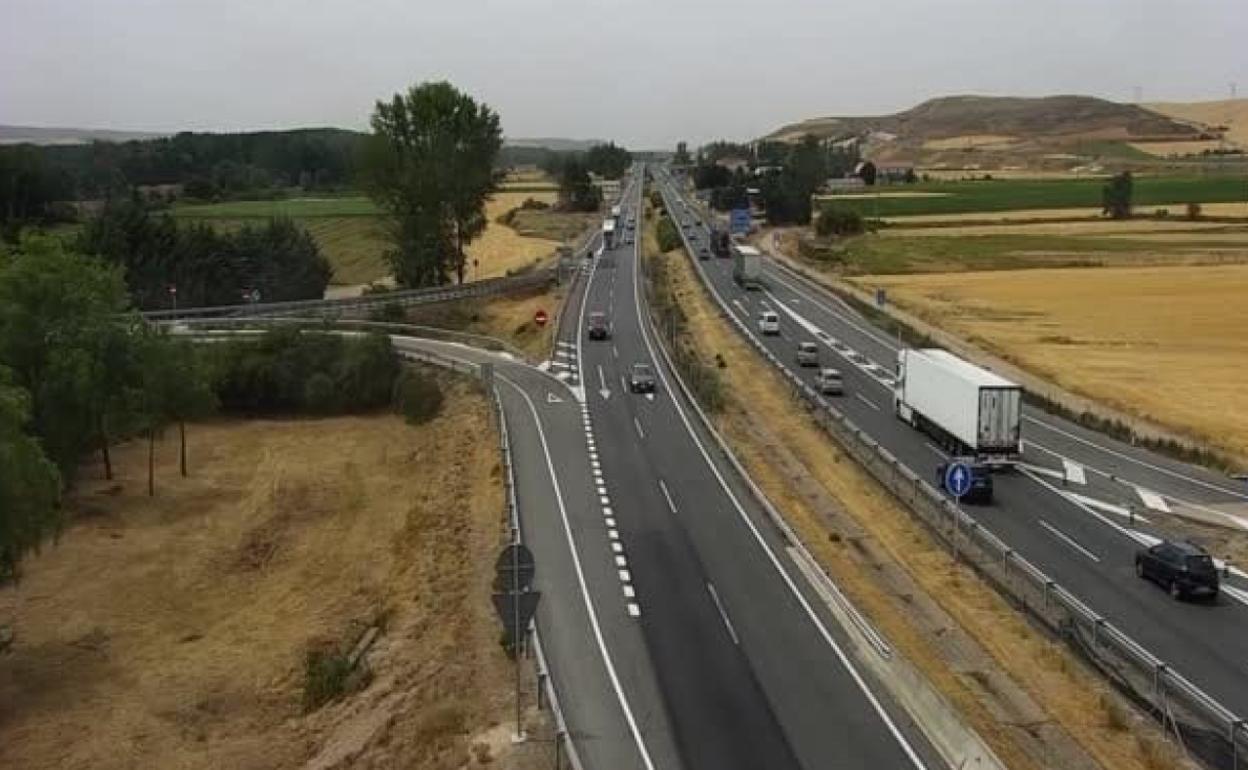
x,y
598,329
641,379
1183,569
981,482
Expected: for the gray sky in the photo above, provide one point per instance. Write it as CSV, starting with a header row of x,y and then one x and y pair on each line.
x,y
645,72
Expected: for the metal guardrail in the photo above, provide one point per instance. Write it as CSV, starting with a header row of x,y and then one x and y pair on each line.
x,y
1201,725
332,307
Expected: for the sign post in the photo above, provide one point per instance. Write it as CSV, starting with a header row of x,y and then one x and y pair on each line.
x,y
739,221
173,292
516,604
958,482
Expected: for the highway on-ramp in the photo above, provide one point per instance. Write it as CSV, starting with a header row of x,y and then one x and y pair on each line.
x,y
1080,506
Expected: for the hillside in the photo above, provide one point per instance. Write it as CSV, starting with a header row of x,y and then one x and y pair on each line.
x,y
45,135
991,132
1229,113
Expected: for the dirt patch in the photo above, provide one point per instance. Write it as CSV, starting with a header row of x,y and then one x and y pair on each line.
x,y
973,142
171,631
1034,703
1131,338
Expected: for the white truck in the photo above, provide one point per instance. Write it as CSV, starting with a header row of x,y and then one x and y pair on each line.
x,y
747,266
608,233
966,409
616,210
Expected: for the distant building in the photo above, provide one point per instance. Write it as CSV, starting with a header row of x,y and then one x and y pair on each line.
x,y
609,188
733,164
894,173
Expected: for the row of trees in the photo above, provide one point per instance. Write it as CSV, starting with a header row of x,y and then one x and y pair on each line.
x,y
279,259
80,370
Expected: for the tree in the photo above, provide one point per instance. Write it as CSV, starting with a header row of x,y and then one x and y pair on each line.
x,y
834,220
174,388
608,160
1116,196
29,482
867,173
429,164
576,189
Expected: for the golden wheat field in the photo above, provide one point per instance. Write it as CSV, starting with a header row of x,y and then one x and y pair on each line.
x,y
1165,343
500,248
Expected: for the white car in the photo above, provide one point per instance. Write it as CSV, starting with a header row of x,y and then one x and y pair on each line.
x,y
769,322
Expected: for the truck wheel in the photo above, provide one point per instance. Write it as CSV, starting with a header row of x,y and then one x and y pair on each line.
x,y
1139,569
1176,593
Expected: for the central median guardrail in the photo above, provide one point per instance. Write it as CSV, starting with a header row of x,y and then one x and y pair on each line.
x,y
1200,724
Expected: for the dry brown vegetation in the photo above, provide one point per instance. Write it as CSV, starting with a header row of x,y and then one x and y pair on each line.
x,y
1232,113
971,644
1163,343
170,632
501,249
508,318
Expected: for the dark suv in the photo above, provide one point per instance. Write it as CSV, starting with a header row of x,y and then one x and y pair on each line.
x,y
981,482
599,329
1183,569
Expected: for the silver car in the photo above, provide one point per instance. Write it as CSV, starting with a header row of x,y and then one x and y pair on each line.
x,y
829,382
807,354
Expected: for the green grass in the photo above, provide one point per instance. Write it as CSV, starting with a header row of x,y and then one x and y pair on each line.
x,y
874,255
1005,195
295,208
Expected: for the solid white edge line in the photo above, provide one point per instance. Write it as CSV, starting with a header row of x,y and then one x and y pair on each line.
x,y
788,580
1068,540
671,504
867,401
580,578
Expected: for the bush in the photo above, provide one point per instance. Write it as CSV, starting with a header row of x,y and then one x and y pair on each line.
x,y
667,235
325,677
319,395
534,204
1193,211
837,221
417,397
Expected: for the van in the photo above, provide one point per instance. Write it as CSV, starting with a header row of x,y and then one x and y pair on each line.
x,y
769,322
829,382
807,354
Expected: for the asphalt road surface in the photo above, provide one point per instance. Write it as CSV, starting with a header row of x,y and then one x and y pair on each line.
x,y
1069,509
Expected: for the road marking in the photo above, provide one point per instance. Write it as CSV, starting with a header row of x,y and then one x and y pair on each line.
x,y
1074,471
939,452
604,391
607,512
637,425
615,353
634,609
602,489
1152,500
1079,502
604,500
617,548
1238,594
580,579
741,308
670,504
727,623
867,401
1101,505
840,654
624,576
1068,540
620,561
610,522
613,534
629,592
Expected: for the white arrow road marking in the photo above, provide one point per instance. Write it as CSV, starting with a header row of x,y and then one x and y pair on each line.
x,y
1153,500
1074,471
1068,540
603,391
551,398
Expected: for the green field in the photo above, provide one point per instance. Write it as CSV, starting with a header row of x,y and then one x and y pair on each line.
x,y
295,208
959,197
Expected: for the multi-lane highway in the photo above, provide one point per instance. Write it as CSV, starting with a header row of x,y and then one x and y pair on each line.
x,y
1078,508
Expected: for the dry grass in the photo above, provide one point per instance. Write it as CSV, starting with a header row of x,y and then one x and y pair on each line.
x,y
1144,229
973,141
170,631
1177,149
1163,343
861,534
1232,113
500,248
508,318
1030,215
954,174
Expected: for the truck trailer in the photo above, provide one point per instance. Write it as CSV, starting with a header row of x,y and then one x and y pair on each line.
x,y
968,410
747,266
608,233
720,242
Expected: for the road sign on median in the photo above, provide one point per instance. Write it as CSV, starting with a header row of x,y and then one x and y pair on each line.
x,y
739,221
958,479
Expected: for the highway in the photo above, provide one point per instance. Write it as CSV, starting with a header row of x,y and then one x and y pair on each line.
x,y
1069,509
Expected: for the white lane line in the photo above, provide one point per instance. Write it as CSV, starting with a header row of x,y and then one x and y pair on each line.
x,y
1101,505
613,534
938,452
617,548
841,656
580,579
1074,471
610,522
634,609
1041,470
1078,501
727,623
1238,594
615,353
741,308
1129,458
620,561
629,592
867,401
1152,500
604,500
1068,540
637,425
670,503
623,384
624,576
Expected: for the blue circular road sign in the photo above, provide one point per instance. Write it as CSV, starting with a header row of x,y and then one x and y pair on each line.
x,y
958,479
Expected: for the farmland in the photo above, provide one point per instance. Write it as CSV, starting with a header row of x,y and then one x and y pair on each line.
x,y
1009,194
1128,337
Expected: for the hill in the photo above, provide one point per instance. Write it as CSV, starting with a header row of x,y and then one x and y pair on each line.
x,y
1001,132
44,135
558,144
1228,114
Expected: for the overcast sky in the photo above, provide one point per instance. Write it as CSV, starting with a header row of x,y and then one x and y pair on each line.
x,y
644,72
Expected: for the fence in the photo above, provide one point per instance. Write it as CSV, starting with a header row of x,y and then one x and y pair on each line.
x,y
1201,725
335,307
